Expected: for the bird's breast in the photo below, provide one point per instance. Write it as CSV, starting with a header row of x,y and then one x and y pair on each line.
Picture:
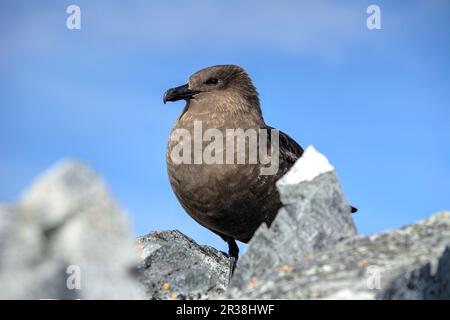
x,y
202,169
219,193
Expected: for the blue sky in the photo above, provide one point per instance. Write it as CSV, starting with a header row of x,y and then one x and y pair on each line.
x,y
375,102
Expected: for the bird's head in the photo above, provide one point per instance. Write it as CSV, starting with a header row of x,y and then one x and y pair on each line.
x,y
216,81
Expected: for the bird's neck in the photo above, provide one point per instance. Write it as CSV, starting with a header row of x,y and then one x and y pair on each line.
x,y
232,112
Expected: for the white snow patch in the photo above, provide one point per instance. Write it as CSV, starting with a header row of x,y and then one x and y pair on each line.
x,y
311,164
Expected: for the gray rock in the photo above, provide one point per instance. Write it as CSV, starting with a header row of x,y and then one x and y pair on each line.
x,y
67,231
312,250
69,240
7,220
421,283
173,266
411,262
315,216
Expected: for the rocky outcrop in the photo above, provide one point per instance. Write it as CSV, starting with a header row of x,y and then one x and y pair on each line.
x,y
315,216
67,239
410,262
173,266
312,250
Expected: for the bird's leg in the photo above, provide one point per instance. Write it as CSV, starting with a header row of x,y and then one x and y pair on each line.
x,y
233,249
233,252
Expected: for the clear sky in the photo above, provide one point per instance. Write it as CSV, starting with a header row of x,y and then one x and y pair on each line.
x,y
375,102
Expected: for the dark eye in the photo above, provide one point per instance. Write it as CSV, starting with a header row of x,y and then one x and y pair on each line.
x,y
211,81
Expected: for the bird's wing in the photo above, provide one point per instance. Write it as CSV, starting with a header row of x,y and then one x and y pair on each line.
x,y
289,149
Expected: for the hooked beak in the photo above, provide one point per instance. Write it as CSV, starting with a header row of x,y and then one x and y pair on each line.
x,y
178,93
